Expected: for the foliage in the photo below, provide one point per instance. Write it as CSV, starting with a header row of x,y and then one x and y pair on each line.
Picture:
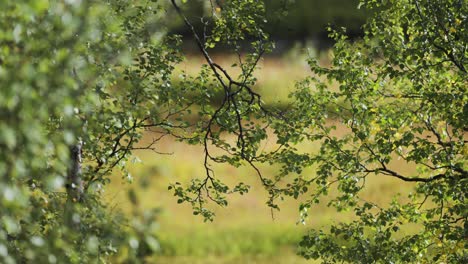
x,y
402,96
77,75
82,81
406,91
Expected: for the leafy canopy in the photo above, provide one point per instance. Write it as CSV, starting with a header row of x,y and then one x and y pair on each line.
x,y
401,99
77,75
96,76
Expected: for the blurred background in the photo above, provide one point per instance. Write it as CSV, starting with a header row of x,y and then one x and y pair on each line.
x,y
304,22
246,231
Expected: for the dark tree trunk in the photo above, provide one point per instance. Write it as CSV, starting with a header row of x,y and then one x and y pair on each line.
x,y
74,182
74,187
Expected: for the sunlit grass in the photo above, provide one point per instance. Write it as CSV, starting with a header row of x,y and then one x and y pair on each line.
x,y
281,257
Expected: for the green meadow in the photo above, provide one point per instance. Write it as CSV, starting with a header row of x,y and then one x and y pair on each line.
x,y
246,231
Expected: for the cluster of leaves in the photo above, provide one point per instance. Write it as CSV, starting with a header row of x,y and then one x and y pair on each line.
x,y
81,83
87,73
234,119
402,96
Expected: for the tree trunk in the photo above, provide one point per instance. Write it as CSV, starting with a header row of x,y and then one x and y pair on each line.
x,y
74,187
74,182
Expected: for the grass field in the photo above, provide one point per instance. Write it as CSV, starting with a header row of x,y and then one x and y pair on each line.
x,y
246,231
